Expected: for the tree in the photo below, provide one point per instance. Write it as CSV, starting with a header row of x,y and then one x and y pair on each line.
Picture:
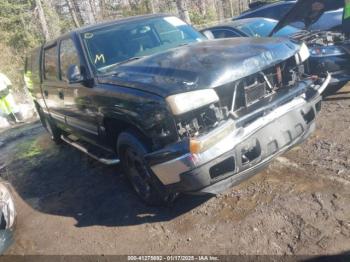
x,y
86,12
42,19
102,9
220,10
73,13
202,7
183,11
151,6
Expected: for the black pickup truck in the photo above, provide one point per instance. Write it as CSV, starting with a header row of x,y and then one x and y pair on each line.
x,y
181,113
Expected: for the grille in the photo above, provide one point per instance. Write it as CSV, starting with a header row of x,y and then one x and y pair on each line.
x,y
254,92
247,91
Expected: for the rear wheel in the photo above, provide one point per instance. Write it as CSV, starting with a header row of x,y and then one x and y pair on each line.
x,y
11,119
131,151
19,116
50,126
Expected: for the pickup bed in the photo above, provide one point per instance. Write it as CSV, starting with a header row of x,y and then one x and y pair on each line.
x,y
182,114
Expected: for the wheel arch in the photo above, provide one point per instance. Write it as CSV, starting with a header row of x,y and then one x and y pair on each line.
x,y
114,127
40,112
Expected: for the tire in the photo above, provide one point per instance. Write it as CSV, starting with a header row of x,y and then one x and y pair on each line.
x,y
19,116
50,126
11,119
149,189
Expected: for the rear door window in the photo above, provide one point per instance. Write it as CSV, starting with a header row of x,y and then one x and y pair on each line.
x,y
50,63
68,56
32,68
35,65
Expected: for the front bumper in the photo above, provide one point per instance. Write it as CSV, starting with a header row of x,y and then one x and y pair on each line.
x,y
243,151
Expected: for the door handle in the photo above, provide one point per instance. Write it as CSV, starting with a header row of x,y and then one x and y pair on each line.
x,y
46,93
61,95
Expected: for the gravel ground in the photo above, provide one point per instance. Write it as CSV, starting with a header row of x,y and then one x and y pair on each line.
x,y
69,204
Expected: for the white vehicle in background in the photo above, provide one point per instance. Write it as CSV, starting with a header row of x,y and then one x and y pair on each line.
x,y
7,217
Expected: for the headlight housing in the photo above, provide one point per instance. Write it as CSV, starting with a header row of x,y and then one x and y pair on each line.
x,y
303,54
326,51
186,102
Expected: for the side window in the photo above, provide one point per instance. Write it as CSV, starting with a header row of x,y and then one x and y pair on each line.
x,y
68,56
224,33
50,63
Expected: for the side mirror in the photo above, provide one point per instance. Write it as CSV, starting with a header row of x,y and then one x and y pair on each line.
x,y
74,74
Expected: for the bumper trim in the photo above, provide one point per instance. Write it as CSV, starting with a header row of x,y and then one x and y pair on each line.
x,y
230,181
325,84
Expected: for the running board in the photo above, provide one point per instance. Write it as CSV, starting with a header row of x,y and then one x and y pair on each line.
x,y
83,149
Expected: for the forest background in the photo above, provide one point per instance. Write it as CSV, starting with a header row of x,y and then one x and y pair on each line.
x,y
25,24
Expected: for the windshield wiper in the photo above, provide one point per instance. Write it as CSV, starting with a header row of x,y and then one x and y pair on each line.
x,y
129,60
109,67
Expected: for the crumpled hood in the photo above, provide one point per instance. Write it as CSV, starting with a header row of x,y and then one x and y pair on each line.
x,y
309,12
207,64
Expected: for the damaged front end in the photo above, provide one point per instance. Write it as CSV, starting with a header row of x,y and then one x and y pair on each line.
x,y
330,53
239,128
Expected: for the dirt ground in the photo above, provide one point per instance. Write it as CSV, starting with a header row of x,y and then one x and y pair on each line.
x,y
69,204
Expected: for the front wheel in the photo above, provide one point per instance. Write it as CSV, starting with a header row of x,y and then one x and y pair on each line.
x,y
131,151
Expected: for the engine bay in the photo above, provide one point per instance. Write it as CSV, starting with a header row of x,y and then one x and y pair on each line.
x,y
241,95
322,38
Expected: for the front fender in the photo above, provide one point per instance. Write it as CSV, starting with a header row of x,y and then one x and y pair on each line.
x,y
146,112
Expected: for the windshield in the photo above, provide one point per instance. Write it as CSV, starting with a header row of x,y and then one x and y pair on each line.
x,y
263,27
112,45
327,21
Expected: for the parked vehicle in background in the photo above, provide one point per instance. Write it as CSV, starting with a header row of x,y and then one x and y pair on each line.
x,y
329,21
274,10
7,217
329,51
249,27
181,114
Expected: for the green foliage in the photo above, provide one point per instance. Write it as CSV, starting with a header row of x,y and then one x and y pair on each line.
x,y
19,32
137,8
20,27
200,19
30,150
11,64
17,24
52,16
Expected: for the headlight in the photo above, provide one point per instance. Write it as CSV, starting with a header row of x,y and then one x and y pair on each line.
x,y
185,102
303,54
199,145
327,51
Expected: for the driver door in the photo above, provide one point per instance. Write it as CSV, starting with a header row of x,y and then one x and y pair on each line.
x,y
80,111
